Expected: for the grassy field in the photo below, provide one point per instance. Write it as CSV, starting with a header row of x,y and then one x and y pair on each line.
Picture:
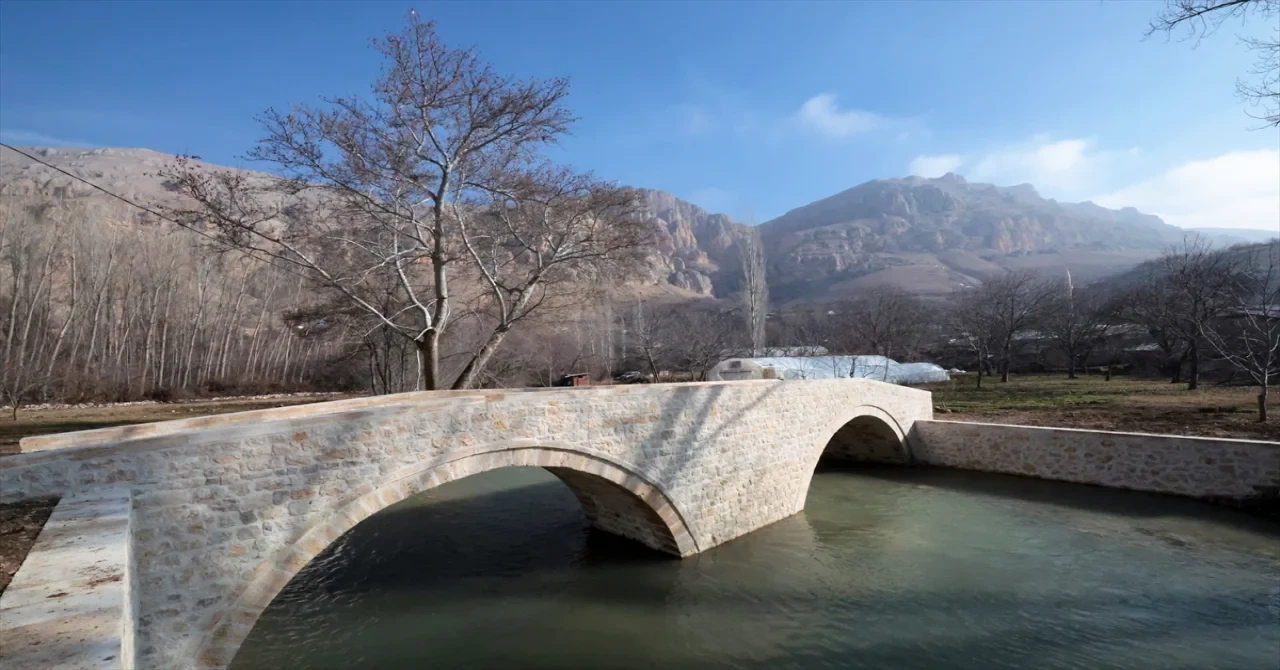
x,y
67,419
1124,404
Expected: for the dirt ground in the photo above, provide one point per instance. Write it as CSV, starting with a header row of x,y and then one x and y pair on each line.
x,y
20,523
40,421
1122,404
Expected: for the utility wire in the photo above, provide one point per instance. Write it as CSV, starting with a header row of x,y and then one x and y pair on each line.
x,y
224,246
86,182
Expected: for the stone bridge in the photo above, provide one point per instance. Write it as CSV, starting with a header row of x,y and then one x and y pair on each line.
x,y
223,511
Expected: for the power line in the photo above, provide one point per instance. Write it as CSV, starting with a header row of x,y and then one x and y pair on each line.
x,y
86,182
127,201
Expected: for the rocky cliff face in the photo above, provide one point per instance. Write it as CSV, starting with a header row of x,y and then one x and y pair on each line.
x,y
694,248
890,223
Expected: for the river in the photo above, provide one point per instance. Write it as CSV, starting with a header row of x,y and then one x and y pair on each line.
x,y
886,568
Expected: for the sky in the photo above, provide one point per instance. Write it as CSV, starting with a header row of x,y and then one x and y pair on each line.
x,y
750,109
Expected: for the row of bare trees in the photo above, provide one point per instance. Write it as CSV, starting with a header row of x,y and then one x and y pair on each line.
x,y
1193,303
92,308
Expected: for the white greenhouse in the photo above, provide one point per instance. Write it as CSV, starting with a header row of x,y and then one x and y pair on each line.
x,y
878,368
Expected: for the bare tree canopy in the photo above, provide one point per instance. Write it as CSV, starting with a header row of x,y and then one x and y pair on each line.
x,y
1247,334
1076,322
884,320
1197,19
976,326
1013,303
437,176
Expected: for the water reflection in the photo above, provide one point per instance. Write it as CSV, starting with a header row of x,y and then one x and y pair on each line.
x,y
886,568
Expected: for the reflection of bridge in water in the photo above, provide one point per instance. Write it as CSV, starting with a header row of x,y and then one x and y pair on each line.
x,y
226,510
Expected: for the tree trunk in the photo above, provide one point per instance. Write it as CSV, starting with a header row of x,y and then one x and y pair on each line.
x,y
1262,405
1108,378
1193,370
429,349
478,362
1175,376
1071,367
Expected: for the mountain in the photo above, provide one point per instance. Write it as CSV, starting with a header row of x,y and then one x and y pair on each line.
x,y
691,244
930,236
935,235
698,247
1224,237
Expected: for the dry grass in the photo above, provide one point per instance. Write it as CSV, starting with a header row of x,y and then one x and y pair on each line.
x,y
1124,404
68,419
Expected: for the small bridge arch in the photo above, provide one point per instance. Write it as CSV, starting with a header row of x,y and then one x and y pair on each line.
x,y
613,499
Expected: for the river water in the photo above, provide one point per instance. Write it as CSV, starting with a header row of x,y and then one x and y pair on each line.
x,y
893,568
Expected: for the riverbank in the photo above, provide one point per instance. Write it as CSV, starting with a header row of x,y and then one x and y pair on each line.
x,y
1126,404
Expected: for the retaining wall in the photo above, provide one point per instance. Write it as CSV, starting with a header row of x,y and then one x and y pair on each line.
x,y
1199,467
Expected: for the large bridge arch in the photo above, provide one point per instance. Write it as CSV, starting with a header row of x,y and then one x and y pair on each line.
x,y
613,498
866,434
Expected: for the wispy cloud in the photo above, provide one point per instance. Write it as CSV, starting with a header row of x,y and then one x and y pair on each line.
x,y
934,166
822,114
33,139
1071,168
1238,189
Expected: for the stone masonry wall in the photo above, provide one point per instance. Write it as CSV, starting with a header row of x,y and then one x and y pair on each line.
x,y
613,509
225,514
1189,466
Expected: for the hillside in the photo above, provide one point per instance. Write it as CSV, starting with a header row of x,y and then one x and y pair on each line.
x,y
690,241
930,236
935,235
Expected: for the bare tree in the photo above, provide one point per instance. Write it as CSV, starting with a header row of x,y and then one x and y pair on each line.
x,y
755,287
698,339
1016,301
884,320
651,332
438,169
972,320
1247,335
1149,304
1200,18
1200,283
1075,323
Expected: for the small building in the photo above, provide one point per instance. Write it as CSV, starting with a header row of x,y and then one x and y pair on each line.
x,y
575,379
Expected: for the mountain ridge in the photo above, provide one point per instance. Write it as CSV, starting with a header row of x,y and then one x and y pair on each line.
x,y
931,236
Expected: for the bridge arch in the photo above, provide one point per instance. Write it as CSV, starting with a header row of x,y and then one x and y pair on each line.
x,y
865,434
613,498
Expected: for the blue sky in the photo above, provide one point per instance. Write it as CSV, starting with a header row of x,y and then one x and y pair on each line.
x,y
750,109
